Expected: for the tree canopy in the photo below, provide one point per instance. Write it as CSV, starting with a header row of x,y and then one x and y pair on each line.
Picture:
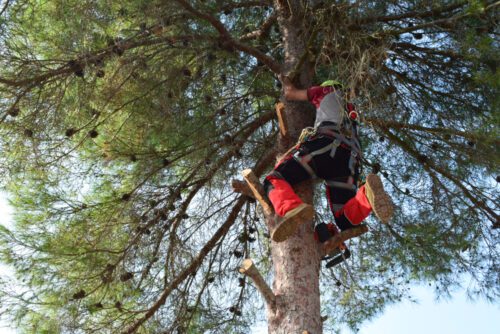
x,y
123,123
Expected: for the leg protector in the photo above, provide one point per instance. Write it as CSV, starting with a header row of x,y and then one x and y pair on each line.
x,y
278,185
371,196
337,199
354,211
281,195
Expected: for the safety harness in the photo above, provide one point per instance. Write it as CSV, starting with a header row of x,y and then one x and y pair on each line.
x,y
344,134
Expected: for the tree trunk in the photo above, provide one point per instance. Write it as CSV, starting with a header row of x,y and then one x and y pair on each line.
x,y
296,285
297,260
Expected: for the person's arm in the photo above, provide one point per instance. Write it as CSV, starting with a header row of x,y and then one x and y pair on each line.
x,y
292,93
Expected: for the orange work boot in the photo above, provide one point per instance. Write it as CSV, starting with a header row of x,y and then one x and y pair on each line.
x,y
289,223
380,201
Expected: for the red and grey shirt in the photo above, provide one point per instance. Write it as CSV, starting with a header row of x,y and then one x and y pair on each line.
x,y
329,104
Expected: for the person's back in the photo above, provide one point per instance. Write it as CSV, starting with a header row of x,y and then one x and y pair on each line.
x,y
329,103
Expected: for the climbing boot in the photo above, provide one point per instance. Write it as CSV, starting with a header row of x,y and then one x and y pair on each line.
x,y
288,224
379,200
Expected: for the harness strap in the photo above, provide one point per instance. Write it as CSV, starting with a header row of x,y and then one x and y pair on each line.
x,y
304,162
329,126
353,143
336,143
324,149
332,131
357,144
352,161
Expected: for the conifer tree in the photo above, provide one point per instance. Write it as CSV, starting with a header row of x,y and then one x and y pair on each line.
x,y
125,126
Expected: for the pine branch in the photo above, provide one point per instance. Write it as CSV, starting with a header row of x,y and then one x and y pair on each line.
x,y
428,165
245,4
414,83
413,14
262,31
229,40
192,267
81,63
4,8
445,22
401,126
441,52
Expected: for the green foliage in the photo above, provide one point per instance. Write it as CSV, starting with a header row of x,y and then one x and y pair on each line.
x,y
122,123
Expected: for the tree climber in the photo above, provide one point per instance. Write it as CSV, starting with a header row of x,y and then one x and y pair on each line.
x,y
329,151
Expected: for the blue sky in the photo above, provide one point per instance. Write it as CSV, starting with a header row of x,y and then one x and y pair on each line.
x,y
455,316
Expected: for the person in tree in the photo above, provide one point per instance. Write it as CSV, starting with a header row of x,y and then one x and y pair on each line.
x,y
330,151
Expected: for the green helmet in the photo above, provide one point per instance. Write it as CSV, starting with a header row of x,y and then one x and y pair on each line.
x,y
332,83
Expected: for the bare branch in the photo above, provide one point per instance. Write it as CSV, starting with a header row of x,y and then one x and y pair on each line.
x,y
4,7
242,188
280,111
248,268
338,239
257,190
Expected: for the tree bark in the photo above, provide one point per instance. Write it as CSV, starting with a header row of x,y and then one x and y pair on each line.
x,y
296,261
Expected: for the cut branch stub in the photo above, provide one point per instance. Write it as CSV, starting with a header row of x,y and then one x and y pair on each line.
x,y
280,111
257,190
242,187
338,239
248,268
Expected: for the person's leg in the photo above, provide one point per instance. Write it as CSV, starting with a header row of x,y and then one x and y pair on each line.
x,y
349,207
338,193
340,185
293,169
278,185
371,196
289,208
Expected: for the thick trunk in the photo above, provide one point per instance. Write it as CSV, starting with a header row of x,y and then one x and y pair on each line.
x,y
296,285
297,260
